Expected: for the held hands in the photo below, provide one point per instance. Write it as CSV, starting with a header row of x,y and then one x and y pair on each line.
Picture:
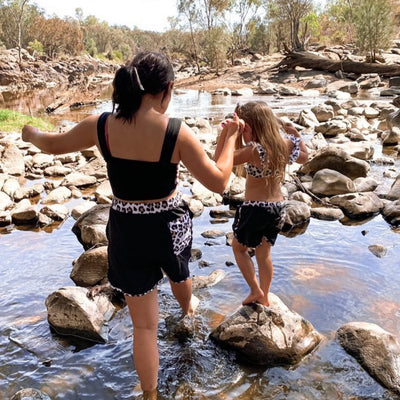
x,y
27,132
234,125
290,129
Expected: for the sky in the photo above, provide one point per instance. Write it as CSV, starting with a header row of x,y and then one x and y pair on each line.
x,y
144,14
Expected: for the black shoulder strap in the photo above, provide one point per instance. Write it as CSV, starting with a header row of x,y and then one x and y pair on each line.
x,y
101,134
171,134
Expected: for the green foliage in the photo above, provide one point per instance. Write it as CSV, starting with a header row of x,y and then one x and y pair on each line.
x,y
36,47
374,25
12,121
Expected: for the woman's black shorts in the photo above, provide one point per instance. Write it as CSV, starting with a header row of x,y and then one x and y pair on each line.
x,y
255,220
145,240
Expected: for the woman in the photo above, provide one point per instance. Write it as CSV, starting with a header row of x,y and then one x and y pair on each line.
x,y
149,228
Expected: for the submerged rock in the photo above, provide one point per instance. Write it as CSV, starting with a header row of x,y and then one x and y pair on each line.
x,y
268,336
377,351
30,394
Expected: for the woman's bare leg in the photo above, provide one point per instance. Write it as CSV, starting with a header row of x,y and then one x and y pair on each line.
x,y
144,314
246,267
265,269
183,294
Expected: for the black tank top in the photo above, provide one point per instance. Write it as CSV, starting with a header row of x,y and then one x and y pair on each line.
x,y
141,180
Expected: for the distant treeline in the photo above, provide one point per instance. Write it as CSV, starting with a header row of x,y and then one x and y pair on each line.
x,y
207,32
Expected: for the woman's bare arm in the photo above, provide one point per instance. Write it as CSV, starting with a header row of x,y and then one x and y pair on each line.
x,y
80,137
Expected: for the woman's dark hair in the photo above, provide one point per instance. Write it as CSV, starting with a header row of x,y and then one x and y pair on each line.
x,y
148,72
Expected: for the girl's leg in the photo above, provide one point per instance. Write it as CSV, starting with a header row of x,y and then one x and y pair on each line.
x,y
183,294
144,314
246,267
265,269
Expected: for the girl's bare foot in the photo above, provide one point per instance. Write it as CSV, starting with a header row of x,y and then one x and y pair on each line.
x,y
150,394
253,297
264,301
194,302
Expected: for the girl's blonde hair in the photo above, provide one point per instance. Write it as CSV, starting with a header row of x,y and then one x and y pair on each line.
x,y
265,130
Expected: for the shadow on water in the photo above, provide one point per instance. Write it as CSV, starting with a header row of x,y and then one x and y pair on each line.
x,y
324,270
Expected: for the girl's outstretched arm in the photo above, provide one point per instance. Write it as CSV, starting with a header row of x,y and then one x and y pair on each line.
x,y
80,137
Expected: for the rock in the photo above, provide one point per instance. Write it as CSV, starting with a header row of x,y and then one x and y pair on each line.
x,y
199,282
358,205
5,201
57,212
332,127
297,213
24,213
30,394
78,179
327,214
394,193
377,250
328,182
91,267
71,312
337,159
212,234
391,213
377,351
90,227
11,160
268,336
58,195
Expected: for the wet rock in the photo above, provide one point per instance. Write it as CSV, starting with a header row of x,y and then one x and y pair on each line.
x,y
24,213
212,234
268,336
30,394
57,212
82,208
71,312
391,213
377,351
199,282
297,213
358,205
91,267
28,192
58,195
377,250
327,213
90,227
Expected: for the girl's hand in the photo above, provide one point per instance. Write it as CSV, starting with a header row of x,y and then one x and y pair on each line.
x,y
290,129
234,125
27,132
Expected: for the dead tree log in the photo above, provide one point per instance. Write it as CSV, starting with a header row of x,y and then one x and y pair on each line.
x,y
317,62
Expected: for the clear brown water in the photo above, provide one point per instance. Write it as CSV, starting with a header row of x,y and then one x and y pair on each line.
x,y
326,273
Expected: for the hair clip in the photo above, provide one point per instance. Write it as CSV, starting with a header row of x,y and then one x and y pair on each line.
x,y
138,79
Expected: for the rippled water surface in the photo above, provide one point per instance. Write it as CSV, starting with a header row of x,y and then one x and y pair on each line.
x,y
326,273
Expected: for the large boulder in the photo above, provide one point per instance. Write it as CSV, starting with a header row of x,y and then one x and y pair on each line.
x,y
268,336
71,312
391,213
337,159
329,182
358,205
377,351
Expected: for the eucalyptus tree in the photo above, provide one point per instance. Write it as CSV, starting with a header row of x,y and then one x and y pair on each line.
x,y
13,13
289,14
374,25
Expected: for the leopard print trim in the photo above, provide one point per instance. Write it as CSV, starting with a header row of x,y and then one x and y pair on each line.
x,y
181,233
147,208
294,155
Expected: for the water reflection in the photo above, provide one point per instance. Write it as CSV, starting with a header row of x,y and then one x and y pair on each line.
x,y
324,271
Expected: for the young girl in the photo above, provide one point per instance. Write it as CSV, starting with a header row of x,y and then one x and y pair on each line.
x,y
260,217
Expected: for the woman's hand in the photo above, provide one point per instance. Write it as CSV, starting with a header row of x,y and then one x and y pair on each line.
x,y
234,125
27,132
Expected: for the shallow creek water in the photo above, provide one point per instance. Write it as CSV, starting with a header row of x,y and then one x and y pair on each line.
x,y
326,273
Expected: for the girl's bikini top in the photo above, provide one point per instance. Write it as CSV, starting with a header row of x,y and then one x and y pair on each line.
x,y
256,172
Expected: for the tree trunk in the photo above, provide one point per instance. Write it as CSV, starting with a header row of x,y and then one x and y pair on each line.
x,y
314,61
